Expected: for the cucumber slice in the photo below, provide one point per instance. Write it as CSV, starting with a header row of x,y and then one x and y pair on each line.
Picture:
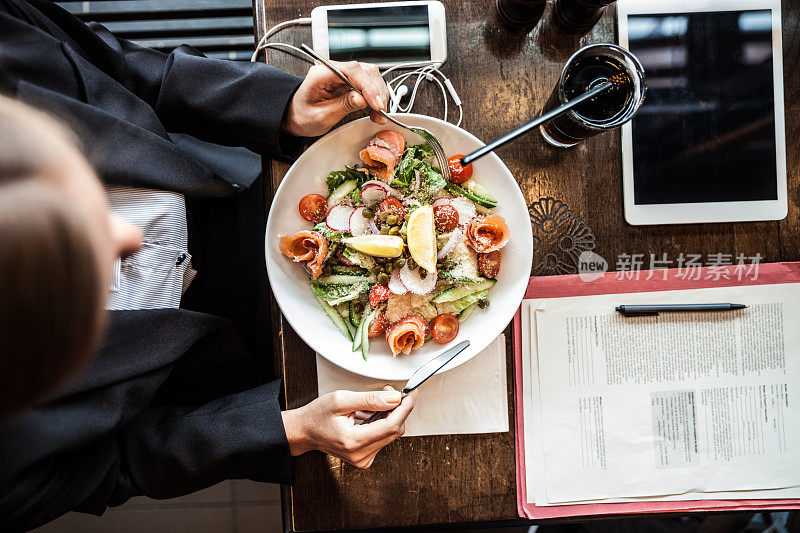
x,y
466,313
365,333
456,293
336,318
336,294
357,337
348,270
479,190
454,308
341,279
488,203
340,192
351,292
352,316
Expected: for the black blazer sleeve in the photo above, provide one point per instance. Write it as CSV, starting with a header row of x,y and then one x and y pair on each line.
x,y
166,452
112,436
170,451
233,103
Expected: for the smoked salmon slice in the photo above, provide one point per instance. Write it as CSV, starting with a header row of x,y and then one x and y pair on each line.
x,y
305,246
488,234
407,334
383,153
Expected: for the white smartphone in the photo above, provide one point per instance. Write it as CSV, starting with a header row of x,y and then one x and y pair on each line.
x,y
708,144
385,33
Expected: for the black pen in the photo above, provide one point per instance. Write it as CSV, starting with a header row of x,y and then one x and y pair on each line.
x,y
654,310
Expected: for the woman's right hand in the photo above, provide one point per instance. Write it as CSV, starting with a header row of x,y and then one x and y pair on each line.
x,y
329,424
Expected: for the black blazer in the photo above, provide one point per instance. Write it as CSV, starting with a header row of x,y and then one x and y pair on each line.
x,y
173,402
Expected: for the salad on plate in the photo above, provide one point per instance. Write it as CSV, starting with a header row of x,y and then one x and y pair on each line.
x,y
397,251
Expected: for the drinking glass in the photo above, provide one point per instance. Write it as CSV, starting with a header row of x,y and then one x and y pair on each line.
x,y
585,69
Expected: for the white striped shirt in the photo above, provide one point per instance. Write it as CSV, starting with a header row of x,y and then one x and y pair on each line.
x,y
156,276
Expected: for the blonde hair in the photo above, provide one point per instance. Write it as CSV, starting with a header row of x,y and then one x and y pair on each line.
x,y
51,289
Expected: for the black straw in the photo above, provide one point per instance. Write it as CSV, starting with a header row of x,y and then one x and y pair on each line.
x,y
547,117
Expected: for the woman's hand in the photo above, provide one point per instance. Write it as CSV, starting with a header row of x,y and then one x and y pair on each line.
x,y
329,424
322,100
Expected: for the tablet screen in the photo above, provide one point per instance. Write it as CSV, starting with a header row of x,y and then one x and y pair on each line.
x,y
706,131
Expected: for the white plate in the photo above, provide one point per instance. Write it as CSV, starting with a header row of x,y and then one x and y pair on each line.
x,y
289,280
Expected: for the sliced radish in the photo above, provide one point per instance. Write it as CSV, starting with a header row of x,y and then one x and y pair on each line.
x,y
465,209
373,227
372,194
358,224
415,283
455,237
390,191
395,285
338,218
417,182
444,200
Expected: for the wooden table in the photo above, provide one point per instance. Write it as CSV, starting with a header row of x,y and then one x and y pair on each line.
x,y
503,80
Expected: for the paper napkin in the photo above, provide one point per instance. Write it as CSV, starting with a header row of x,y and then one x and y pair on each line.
x,y
471,398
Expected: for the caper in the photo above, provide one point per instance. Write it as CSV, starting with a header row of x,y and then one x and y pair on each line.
x,y
367,213
383,278
400,263
385,230
383,216
391,220
483,303
394,230
411,263
423,273
358,307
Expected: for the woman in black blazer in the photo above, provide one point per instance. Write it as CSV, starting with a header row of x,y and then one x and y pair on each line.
x,y
170,400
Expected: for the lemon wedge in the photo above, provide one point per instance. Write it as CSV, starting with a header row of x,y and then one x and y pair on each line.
x,y
421,237
377,245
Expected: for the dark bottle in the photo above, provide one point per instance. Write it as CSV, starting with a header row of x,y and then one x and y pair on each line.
x,y
520,15
578,16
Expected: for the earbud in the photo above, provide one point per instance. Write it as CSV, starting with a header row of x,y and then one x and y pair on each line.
x,y
395,96
399,91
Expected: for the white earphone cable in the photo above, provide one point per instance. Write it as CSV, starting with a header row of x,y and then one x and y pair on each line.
x,y
429,72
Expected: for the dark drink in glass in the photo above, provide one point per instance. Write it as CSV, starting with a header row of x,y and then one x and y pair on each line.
x,y
587,68
578,16
520,15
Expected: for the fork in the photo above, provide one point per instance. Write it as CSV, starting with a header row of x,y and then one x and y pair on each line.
x,y
432,141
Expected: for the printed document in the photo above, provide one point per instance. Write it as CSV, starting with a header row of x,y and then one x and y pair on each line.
x,y
679,406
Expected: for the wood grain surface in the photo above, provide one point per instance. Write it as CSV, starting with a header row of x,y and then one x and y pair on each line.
x,y
504,79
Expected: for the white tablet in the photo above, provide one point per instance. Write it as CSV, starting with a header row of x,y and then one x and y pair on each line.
x,y
708,144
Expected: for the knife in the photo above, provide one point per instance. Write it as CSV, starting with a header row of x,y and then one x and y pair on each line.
x,y
422,374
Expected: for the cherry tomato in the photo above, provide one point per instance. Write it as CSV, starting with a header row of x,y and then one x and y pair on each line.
x,y
345,261
444,328
489,264
458,174
446,217
378,326
379,293
394,207
313,207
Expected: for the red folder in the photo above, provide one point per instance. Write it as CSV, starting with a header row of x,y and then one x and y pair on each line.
x,y
627,282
